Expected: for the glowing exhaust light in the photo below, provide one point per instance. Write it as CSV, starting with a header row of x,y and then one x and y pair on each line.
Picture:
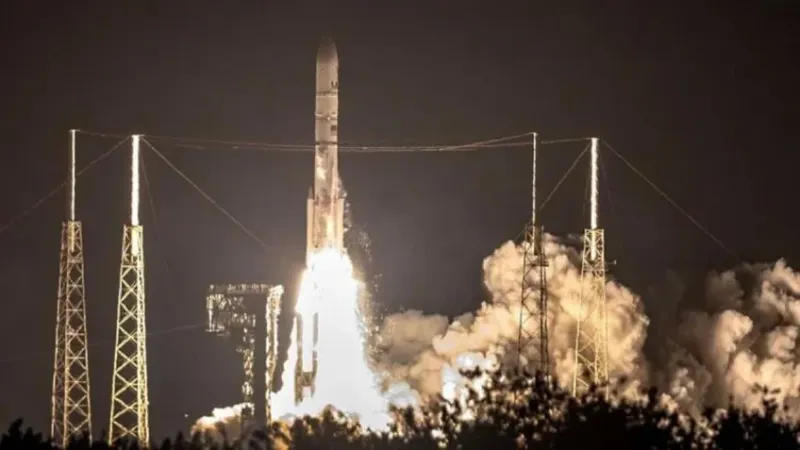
x,y
344,380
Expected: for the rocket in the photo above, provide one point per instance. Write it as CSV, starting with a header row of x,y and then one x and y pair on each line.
x,y
325,205
325,208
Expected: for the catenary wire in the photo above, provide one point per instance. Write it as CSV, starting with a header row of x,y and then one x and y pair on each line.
x,y
673,203
248,145
208,144
205,195
50,194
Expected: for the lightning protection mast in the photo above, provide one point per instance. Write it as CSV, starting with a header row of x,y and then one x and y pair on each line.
x,y
129,397
71,411
533,304
591,340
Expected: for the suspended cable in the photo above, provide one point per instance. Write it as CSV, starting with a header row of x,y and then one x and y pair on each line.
x,y
362,148
564,141
206,196
247,145
309,148
674,204
50,194
564,177
208,144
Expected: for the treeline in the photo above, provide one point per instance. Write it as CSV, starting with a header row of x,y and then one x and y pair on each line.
x,y
511,413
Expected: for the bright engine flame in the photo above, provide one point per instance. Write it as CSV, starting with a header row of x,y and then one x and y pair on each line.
x,y
344,380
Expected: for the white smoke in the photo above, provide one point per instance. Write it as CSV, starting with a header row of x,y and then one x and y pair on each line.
x,y
224,424
742,335
492,330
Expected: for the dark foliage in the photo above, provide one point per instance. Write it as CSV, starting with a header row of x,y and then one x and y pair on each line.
x,y
513,412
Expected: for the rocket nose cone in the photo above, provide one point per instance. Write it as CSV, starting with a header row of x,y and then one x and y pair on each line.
x,y
327,49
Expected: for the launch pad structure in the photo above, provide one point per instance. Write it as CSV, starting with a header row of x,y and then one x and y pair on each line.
x,y
591,340
248,314
129,416
71,404
533,314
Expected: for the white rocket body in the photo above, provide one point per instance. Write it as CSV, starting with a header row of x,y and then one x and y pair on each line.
x,y
325,226
325,207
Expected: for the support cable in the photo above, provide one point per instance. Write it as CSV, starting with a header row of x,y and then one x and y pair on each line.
x,y
674,204
564,177
613,214
156,234
58,188
206,196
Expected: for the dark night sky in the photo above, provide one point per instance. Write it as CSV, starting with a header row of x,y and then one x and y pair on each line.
x,y
701,100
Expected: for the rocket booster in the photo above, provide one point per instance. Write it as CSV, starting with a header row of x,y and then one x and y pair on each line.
x,y
325,207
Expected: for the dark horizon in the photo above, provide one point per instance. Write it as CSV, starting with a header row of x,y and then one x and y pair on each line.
x,y
700,99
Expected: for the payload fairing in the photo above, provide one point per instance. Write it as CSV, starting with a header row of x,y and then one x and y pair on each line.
x,y
325,208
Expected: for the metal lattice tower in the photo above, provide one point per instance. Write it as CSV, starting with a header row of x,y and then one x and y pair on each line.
x,y
533,302
591,340
230,314
129,396
71,407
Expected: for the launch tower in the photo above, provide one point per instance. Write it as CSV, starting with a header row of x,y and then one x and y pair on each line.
x,y
591,340
71,410
129,397
325,207
533,314
248,313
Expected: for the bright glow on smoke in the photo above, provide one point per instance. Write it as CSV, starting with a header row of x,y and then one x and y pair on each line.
x,y
344,380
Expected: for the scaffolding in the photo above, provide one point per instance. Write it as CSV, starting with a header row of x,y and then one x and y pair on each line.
x,y
246,313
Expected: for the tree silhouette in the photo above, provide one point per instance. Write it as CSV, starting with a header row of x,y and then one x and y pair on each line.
x,y
512,411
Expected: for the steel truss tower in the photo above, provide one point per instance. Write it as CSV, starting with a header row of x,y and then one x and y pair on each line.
x,y
591,340
533,304
235,310
129,396
71,411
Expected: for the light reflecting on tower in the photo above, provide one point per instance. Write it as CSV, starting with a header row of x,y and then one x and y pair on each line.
x,y
71,408
591,341
129,417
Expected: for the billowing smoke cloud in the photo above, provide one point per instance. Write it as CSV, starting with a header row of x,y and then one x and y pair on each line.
x,y
419,349
741,334
223,423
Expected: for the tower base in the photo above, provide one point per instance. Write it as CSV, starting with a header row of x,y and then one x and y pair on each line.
x,y
129,393
533,314
591,342
71,411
